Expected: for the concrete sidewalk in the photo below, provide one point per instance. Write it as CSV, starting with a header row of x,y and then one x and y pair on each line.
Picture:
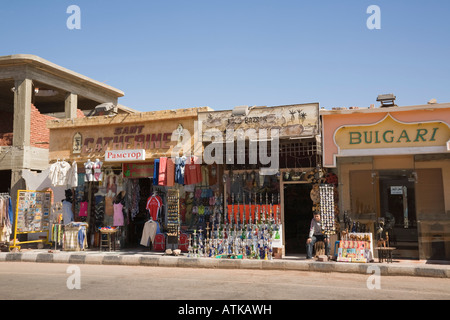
x,y
438,269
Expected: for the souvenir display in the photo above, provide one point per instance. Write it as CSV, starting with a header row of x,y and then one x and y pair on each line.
x,y
32,215
173,217
355,247
248,232
33,211
327,207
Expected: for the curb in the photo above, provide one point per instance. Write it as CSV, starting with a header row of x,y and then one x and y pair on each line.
x,y
435,271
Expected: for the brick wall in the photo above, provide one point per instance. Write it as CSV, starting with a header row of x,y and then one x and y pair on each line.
x,y
39,131
6,128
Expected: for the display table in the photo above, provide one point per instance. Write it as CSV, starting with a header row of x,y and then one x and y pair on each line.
x,y
355,247
110,241
385,253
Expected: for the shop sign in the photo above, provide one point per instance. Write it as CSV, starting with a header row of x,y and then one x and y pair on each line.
x,y
291,121
390,136
396,189
126,137
137,170
124,155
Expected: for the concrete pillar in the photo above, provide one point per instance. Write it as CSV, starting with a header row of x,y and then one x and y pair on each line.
x,y
22,112
70,105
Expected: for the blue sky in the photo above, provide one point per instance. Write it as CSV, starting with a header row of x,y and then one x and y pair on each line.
x,y
169,54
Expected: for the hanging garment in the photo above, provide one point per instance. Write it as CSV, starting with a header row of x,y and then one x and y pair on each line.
x,y
72,176
155,172
154,204
205,175
83,209
99,211
132,196
118,214
192,173
162,175
67,212
98,175
180,163
88,167
170,173
109,210
10,211
58,173
149,233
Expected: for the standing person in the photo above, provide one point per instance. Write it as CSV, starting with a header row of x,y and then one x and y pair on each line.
x,y
316,234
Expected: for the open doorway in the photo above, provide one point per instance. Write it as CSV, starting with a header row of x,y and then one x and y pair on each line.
x,y
297,216
397,204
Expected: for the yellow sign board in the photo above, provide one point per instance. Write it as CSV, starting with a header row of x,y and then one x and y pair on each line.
x,y
390,133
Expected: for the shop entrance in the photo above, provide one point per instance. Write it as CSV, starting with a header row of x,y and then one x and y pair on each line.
x,y
297,216
397,203
136,225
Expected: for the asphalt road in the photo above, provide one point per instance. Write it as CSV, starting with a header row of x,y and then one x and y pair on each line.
x,y
53,281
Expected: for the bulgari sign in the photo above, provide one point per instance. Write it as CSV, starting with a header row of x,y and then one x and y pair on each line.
x,y
391,136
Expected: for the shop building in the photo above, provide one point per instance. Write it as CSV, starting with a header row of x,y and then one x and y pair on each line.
x,y
270,159
125,169
393,166
236,183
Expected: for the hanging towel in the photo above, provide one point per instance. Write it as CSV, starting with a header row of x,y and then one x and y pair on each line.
x,y
170,173
162,176
156,172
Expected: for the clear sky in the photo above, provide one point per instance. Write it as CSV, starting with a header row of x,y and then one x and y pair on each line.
x,y
167,54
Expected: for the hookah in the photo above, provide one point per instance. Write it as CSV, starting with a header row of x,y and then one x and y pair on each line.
x,y
190,247
244,213
200,243
238,212
256,210
232,211
270,249
195,247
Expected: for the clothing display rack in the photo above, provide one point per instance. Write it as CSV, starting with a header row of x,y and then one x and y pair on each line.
x,y
173,217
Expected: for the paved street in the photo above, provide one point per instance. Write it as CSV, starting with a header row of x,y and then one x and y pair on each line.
x,y
22,280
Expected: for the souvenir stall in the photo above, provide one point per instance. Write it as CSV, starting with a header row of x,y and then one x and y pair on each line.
x,y
32,216
259,146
